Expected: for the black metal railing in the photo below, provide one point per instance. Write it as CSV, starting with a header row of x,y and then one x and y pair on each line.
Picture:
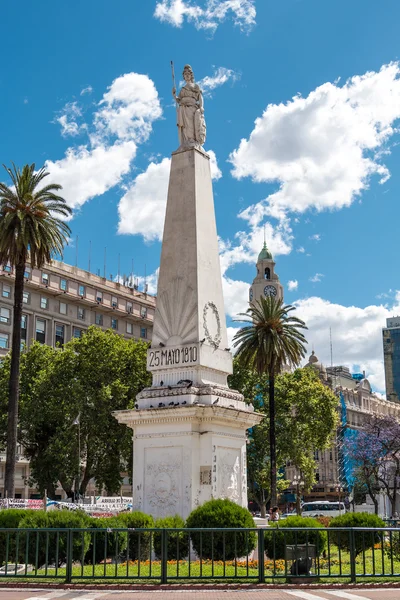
x,y
167,555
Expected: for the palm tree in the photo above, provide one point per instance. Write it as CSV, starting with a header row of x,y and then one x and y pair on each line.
x,y
30,230
271,340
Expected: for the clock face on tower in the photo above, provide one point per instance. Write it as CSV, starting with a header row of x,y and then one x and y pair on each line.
x,y
251,294
270,290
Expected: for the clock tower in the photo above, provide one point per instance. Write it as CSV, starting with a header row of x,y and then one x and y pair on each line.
x,y
266,282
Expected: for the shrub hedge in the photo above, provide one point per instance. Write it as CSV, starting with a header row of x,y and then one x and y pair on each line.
x,y
276,541
106,544
177,541
219,545
362,540
139,547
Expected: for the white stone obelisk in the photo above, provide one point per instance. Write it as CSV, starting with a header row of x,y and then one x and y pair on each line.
x,y
189,440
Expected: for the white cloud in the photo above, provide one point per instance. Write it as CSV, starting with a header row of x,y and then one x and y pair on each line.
x,y
356,335
210,15
87,90
292,285
85,173
123,119
68,119
247,245
315,238
322,150
128,108
300,249
316,278
142,207
220,76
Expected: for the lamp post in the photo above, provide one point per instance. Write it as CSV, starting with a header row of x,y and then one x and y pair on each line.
x,y
339,491
298,482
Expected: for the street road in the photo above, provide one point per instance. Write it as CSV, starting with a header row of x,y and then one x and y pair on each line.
x,y
259,594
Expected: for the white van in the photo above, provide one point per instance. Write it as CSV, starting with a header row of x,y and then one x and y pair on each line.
x,y
322,509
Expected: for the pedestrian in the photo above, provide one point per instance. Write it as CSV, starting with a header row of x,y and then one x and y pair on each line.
x,y
275,514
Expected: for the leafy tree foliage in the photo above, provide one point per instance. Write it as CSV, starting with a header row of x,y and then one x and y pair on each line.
x,y
32,227
91,377
306,419
375,452
271,339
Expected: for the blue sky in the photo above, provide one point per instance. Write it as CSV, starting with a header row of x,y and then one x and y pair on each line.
x,y
86,90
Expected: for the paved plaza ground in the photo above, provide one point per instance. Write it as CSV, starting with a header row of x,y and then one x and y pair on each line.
x,y
257,594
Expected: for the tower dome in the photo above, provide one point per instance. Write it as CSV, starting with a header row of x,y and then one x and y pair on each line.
x,y
265,254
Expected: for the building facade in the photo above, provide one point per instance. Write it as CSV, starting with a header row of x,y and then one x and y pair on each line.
x,y
60,303
358,403
391,356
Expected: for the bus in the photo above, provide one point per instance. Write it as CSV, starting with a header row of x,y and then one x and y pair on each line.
x,y
322,509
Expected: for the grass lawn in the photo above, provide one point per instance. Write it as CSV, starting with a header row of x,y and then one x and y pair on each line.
x,y
374,565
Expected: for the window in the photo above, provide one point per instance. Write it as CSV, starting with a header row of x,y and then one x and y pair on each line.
x,y
99,296
60,329
129,328
6,291
4,315
45,278
143,312
114,323
143,332
267,273
7,268
82,290
99,319
44,302
129,307
24,327
40,330
63,308
81,313
114,302
4,337
26,298
78,332
27,272
63,285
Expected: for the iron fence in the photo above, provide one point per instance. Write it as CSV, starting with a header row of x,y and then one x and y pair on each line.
x,y
170,555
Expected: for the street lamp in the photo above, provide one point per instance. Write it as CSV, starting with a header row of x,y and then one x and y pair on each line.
x,y
339,491
298,482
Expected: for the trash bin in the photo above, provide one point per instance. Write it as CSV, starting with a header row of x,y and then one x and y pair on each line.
x,y
300,561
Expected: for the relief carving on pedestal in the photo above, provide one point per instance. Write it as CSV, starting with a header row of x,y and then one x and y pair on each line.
x,y
229,475
163,483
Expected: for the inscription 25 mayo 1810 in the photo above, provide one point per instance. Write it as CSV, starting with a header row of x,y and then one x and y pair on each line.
x,y
172,357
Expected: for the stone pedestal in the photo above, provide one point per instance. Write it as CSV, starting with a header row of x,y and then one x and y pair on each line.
x,y
189,441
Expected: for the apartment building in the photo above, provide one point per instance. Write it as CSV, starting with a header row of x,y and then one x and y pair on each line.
x,y
62,301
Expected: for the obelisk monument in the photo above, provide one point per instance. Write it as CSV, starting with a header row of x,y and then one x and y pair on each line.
x,y
189,431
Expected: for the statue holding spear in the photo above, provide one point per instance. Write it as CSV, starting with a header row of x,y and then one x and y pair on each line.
x,y
190,110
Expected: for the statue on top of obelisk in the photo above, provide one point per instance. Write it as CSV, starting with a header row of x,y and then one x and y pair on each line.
x,y
190,111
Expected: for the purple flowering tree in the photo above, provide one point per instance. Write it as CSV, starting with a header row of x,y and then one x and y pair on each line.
x,y
376,456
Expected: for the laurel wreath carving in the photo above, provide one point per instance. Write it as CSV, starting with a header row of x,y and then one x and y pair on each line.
x,y
216,340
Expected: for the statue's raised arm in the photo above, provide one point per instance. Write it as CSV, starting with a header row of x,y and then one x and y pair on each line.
x,y
190,113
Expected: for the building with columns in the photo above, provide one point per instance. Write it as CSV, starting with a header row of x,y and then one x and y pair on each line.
x,y
357,402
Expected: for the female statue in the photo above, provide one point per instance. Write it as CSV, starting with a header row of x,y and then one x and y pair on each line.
x,y
191,123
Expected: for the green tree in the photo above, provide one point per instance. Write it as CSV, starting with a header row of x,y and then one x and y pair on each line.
x,y
93,376
30,229
307,417
271,340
